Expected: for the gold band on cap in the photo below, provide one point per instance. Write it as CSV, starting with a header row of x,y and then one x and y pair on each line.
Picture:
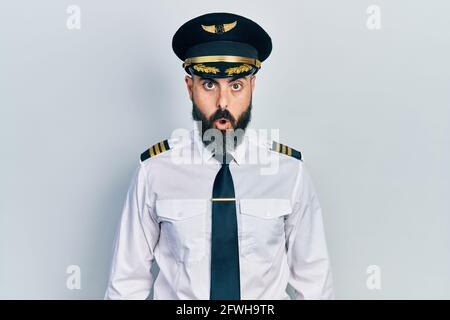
x,y
236,59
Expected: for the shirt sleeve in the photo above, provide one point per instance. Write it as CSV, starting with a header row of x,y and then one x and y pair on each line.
x,y
136,238
310,272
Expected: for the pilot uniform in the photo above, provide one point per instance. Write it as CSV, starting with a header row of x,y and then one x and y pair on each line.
x,y
221,230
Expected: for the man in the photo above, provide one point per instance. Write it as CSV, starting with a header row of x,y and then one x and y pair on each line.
x,y
221,228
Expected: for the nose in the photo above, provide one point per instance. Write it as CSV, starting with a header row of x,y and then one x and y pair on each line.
x,y
222,100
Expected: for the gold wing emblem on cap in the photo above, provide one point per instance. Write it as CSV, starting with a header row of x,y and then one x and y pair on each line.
x,y
219,28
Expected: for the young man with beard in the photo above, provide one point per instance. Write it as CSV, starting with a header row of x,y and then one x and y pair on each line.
x,y
222,228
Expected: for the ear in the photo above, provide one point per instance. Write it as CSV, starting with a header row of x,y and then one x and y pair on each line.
x,y
253,82
189,84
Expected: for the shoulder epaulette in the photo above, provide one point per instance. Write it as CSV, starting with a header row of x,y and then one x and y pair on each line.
x,y
155,149
282,148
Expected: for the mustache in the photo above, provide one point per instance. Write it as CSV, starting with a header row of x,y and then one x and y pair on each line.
x,y
207,122
219,114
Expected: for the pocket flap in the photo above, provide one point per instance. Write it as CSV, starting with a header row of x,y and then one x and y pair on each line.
x,y
179,209
265,208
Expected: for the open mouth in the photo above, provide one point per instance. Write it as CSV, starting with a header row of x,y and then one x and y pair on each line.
x,y
223,123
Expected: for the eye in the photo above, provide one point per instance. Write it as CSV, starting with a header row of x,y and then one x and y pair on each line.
x,y
236,86
209,85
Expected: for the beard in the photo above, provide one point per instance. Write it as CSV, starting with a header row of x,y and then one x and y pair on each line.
x,y
239,125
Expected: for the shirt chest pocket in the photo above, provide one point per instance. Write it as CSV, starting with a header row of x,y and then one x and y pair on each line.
x,y
183,227
262,227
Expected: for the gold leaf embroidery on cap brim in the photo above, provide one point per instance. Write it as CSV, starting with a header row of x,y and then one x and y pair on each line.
x,y
239,69
205,69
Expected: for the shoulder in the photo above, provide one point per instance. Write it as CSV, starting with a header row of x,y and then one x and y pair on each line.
x,y
164,147
284,149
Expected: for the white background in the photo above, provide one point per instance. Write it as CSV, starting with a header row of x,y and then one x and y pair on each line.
x,y
369,109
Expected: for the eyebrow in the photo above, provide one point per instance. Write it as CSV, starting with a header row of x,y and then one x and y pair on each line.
x,y
230,80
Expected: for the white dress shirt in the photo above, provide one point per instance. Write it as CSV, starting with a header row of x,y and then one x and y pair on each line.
x,y
166,219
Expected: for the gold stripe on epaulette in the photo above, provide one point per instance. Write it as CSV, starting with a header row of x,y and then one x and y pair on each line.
x,y
156,149
152,153
284,149
163,148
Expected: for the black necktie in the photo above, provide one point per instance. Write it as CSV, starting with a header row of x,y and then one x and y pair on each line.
x,y
225,283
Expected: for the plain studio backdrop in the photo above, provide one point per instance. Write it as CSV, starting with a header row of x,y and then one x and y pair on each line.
x,y
367,106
